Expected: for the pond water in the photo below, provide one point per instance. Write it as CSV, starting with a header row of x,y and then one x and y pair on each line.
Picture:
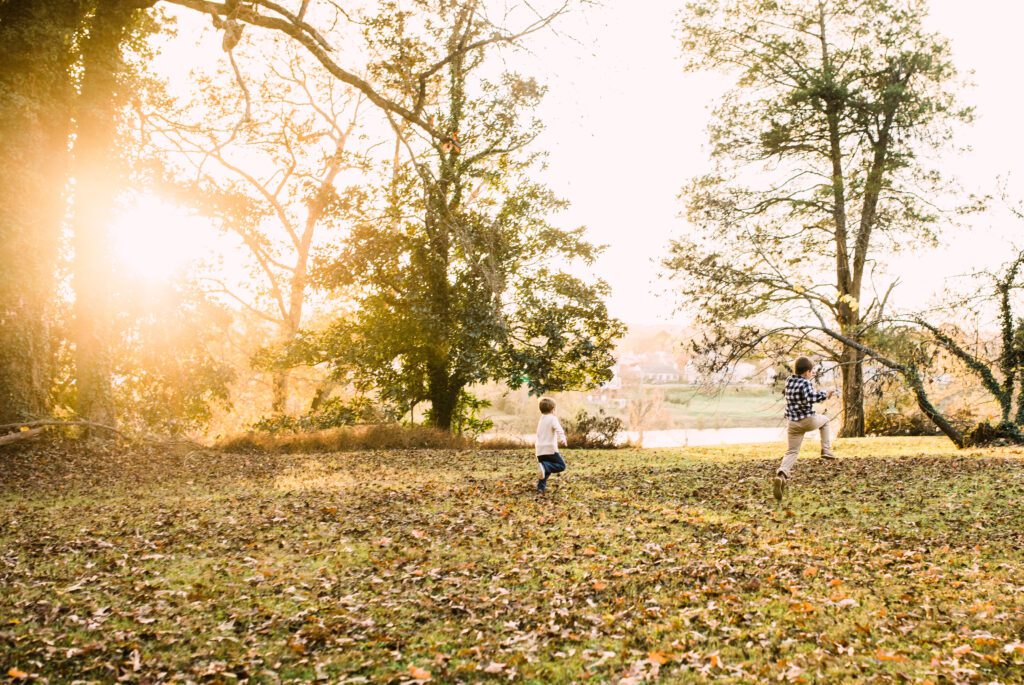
x,y
695,437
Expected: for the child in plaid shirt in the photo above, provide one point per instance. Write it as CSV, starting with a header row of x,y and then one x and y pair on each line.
x,y
800,399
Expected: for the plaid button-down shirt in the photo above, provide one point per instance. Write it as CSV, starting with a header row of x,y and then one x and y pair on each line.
x,y
800,398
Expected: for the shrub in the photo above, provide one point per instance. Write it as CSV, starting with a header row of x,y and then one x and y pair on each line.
x,y
901,416
346,439
593,431
986,434
332,413
881,421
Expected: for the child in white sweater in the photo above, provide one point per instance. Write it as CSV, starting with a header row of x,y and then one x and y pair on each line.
x,y
549,435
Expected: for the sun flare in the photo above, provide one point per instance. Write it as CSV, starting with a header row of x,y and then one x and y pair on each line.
x,y
156,241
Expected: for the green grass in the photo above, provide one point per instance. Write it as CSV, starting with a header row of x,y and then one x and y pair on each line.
x,y
903,562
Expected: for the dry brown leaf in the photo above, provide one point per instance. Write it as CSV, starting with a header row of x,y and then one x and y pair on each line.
x,y
419,674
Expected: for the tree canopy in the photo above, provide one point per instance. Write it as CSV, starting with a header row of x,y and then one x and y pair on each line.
x,y
821,152
457,274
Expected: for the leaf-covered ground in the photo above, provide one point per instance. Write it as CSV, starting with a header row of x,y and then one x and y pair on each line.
x,y
903,561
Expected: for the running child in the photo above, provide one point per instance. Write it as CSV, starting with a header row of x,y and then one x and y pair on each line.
x,y
800,399
549,435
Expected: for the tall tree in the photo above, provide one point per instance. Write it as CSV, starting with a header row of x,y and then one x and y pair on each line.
x,y
461,280
38,45
820,152
97,170
273,182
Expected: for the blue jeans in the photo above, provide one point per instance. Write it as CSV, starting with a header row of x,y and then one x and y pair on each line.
x,y
553,463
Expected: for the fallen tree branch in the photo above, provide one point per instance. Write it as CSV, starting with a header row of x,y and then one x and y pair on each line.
x,y
913,379
46,423
19,436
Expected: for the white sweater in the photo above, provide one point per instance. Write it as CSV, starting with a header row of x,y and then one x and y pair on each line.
x,y
549,434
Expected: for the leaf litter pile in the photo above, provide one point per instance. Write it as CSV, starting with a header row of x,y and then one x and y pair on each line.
x,y
901,562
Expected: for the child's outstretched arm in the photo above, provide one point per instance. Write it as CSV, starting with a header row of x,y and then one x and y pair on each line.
x,y
560,434
822,395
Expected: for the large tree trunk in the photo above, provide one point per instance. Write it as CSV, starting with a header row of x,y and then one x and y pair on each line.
x,y
444,394
279,400
37,48
853,393
96,171
846,282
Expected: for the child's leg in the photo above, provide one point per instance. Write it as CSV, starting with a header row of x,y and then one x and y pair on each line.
x,y
794,436
542,469
826,436
555,463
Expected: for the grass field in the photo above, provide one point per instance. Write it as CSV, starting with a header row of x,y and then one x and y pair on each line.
x,y
903,562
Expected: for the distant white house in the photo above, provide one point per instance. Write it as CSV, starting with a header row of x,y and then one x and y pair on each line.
x,y
660,372
743,372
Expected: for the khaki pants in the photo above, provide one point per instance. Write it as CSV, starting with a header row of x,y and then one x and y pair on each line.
x,y
795,435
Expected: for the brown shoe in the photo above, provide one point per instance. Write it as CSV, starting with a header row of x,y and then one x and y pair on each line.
x,y
779,485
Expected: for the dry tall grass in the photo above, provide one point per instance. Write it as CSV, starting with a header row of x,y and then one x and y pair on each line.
x,y
359,438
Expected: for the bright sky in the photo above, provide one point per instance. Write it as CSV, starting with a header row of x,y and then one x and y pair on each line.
x,y
626,128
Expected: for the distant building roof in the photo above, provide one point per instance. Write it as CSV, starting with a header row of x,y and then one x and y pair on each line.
x,y
660,369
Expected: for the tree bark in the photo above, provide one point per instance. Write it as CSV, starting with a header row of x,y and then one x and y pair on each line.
x,y
37,49
852,372
96,171
443,392
442,410
847,281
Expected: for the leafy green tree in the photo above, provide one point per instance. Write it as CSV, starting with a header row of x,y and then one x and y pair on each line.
x,y
460,280
821,152
62,89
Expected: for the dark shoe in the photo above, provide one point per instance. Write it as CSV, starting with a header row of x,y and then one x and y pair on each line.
x,y
542,485
779,486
